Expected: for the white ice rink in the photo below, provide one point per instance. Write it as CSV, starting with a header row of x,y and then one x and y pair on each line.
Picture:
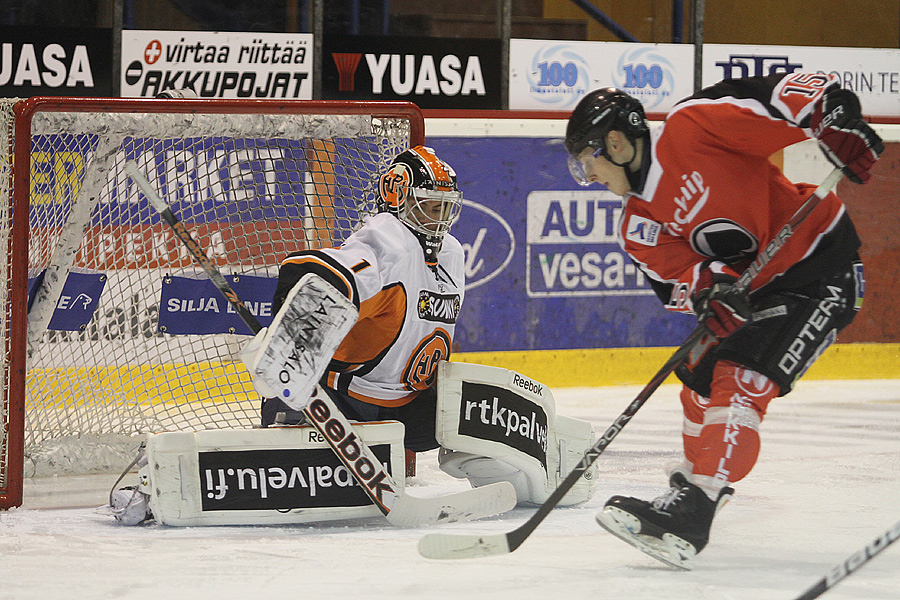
x,y
827,483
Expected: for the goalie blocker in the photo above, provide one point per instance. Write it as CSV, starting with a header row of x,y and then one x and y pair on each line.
x,y
495,425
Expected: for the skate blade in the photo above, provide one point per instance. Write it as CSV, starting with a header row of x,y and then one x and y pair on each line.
x,y
670,550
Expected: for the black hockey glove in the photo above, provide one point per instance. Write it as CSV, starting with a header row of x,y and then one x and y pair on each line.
x,y
718,304
845,138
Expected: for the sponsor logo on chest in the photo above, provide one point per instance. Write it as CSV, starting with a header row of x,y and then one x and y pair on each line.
x,y
692,197
642,231
442,308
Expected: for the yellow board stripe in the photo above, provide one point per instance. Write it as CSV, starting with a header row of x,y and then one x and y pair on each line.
x,y
150,385
624,366
229,382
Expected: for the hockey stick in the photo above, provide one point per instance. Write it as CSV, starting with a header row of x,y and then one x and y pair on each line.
x,y
397,507
852,563
446,546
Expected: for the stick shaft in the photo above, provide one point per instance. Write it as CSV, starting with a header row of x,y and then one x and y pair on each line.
x,y
852,563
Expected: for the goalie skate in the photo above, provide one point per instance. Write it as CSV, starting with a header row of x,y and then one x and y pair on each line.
x,y
672,528
287,358
129,506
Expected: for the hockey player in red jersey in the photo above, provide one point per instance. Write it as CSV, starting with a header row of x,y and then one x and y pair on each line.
x,y
405,273
700,199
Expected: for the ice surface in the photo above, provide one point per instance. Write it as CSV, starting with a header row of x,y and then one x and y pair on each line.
x,y
827,483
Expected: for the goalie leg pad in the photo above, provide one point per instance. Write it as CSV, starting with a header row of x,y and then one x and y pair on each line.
x,y
262,476
573,437
493,413
288,358
483,470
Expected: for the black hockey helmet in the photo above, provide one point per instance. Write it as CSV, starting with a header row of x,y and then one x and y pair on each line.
x,y
420,189
598,113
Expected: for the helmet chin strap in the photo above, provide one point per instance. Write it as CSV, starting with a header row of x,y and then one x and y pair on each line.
x,y
430,244
627,163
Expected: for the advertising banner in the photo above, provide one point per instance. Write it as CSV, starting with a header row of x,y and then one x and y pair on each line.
x,y
217,64
572,248
78,301
554,75
874,74
432,72
543,268
195,306
280,479
55,61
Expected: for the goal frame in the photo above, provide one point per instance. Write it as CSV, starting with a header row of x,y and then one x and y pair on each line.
x,y
16,342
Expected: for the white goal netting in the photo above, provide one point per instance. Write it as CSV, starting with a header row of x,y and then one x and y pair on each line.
x,y
125,334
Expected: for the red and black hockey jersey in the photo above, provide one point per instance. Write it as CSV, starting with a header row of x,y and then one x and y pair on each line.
x,y
711,191
407,310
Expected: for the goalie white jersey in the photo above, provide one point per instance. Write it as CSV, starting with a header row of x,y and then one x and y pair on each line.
x,y
407,311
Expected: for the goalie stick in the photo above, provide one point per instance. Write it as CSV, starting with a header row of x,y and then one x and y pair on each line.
x,y
852,563
451,546
398,507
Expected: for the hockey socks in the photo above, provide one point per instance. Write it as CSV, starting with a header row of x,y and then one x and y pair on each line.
x,y
728,444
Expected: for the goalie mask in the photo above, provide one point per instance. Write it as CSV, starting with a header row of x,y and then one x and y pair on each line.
x,y
420,190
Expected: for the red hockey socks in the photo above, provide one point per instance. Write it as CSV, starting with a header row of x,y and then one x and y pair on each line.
x,y
693,406
727,446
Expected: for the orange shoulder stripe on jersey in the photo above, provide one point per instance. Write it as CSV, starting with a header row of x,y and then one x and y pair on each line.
x,y
312,259
380,321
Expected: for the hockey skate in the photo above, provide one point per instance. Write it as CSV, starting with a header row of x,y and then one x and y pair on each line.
x,y
130,506
672,528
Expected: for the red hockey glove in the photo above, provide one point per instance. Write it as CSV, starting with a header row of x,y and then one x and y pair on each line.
x,y
848,141
718,304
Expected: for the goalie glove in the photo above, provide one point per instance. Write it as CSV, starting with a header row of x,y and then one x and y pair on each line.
x,y
718,303
286,359
845,138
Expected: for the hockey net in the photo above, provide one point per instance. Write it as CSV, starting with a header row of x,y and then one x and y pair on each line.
x,y
110,329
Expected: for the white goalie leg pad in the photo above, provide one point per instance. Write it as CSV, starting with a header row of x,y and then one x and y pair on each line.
x,y
498,425
483,470
572,438
287,358
263,476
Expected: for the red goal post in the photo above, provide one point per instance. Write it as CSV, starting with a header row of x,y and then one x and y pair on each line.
x,y
109,329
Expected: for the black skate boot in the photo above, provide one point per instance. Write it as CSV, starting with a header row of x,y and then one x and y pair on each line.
x,y
672,528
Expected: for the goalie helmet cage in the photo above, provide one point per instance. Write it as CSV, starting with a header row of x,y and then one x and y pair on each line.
x,y
252,180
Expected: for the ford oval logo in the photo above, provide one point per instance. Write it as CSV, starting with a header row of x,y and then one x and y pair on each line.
x,y
488,241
